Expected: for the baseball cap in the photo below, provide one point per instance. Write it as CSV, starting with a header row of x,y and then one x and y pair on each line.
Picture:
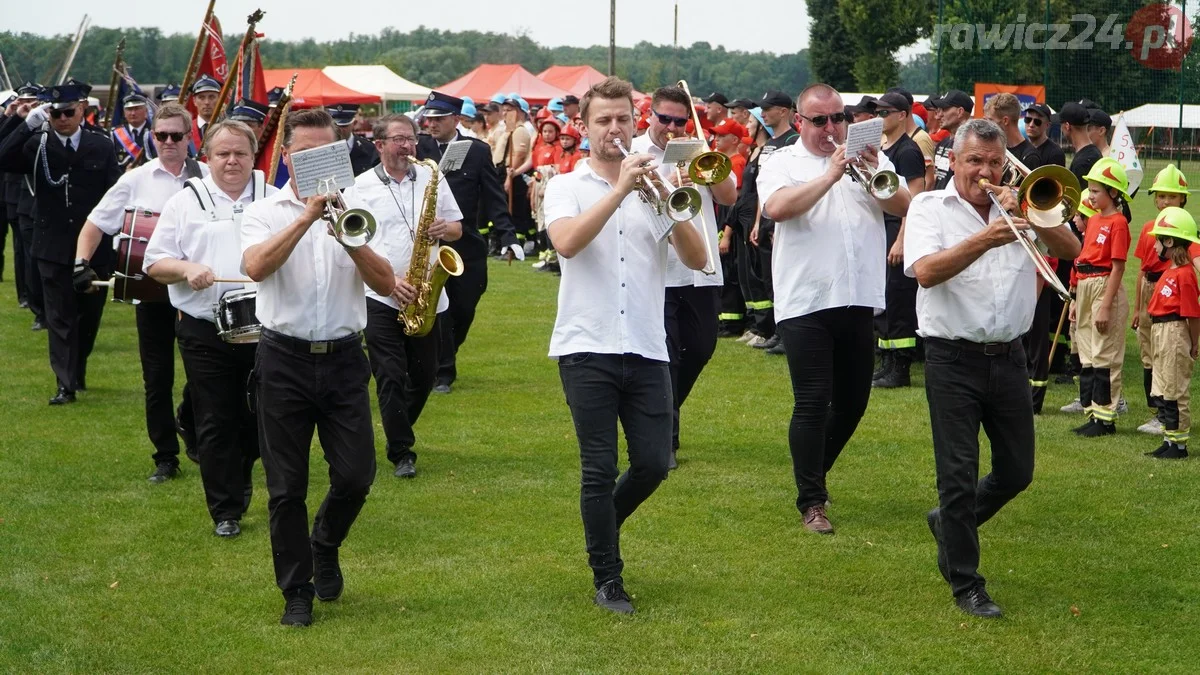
x,y
775,99
865,104
1074,113
716,97
956,99
729,126
903,92
741,103
570,99
895,100
1099,118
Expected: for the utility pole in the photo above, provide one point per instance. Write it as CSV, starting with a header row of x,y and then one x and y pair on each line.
x,y
612,37
675,42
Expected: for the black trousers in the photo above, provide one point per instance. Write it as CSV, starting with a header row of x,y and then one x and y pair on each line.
x,y
156,345
690,315
896,328
226,431
600,390
830,359
1037,347
298,391
453,325
33,277
733,304
755,281
965,390
522,212
19,273
72,321
404,368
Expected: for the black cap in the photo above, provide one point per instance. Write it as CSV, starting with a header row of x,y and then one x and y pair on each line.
x,y
170,92
342,113
865,104
895,100
134,100
440,105
66,94
273,96
246,110
1041,109
206,83
30,89
1099,118
1074,113
716,97
956,99
488,107
570,98
903,92
742,103
932,103
775,99
1089,104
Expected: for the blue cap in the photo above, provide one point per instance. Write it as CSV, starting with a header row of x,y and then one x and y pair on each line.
x,y
513,98
246,110
342,113
562,117
555,105
30,89
206,83
468,109
756,113
498,99
585,145
438,104
134,100
170,92
274,95
66,94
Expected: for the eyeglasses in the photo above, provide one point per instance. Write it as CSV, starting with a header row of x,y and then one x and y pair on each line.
x,y
400,139
69,112
1034,121
884,112
822,120
175,136
670,121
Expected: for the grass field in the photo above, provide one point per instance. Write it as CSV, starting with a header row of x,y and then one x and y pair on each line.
x,y
478,564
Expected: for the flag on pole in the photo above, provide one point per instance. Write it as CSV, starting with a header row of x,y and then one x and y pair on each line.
x,y
251,83
1123,150
212,58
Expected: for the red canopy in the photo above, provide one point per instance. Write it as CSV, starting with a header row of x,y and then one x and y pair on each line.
x,y
487,80
576,79
314,88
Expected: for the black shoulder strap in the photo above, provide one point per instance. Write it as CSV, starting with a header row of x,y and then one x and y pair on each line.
x,y
203,196
191,168
381,174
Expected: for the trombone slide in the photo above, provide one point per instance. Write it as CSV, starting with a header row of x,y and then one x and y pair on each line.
x,y
1026,243
710,267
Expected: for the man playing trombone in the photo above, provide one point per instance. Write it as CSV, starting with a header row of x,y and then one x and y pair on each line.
x,y
976,298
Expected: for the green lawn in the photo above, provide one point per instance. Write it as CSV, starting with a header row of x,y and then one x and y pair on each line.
x,y
478,564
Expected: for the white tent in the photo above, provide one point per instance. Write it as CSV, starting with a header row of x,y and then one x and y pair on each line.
x,y
1163,115
377,80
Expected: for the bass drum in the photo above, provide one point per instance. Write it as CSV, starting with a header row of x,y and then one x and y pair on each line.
x,y
130,283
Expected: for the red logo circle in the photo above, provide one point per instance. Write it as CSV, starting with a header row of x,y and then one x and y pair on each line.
x,y
1158,36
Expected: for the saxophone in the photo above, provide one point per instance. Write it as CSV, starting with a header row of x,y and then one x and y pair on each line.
x,y
419,315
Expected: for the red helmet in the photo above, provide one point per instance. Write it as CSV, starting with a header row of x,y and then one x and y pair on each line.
x,y
549,120
543,114
571,131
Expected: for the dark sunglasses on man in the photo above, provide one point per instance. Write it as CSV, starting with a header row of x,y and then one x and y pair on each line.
x,y
884,112
176,136
1034,121
65,112
671,121
822,120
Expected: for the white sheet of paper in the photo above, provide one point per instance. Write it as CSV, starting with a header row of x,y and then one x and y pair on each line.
x,y
322,165
453,157
861,134
681,150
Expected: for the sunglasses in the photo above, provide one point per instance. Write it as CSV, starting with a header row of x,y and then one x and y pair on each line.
x,y
668,120
822,120
884,112
56,114
1034,121
175,136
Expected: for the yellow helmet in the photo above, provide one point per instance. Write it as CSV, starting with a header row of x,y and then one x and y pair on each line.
x,y
1170,179
1108,171
1085,207
1176,223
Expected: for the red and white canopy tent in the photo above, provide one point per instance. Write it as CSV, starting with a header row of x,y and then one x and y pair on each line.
x,y
314,88
577,79
488,80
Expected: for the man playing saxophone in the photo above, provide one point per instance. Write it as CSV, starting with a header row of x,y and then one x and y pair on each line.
x,y
407,207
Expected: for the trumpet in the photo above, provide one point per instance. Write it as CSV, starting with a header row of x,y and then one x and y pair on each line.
x,y
879,184
351,227
682,204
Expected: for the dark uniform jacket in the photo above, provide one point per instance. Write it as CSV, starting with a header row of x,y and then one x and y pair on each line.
x,y
479,193
363,155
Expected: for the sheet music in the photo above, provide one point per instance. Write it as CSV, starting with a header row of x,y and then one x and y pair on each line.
x,y
861,134
681,150
326,165
454,156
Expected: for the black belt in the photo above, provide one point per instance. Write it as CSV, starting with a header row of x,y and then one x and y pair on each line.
x,y
1092,269
1166,318
985,348
305,347
1153,276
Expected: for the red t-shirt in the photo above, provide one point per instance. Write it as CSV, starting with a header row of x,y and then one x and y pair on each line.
x,y
1177,292
1106,240
1146,253
547,154
738,163
566,161
939,135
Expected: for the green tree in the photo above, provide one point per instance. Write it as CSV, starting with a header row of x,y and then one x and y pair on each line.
x,y
830,50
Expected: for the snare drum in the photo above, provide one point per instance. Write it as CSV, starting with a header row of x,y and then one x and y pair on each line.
x,y
130,283
236,322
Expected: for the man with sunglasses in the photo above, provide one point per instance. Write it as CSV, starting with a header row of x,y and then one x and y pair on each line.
x,y
148,188
1037,130
829,280
955,108
72,166
692,297
20,213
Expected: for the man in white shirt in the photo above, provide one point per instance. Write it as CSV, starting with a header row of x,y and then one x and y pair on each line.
x,y
692,298
404,366
976,298
148,188
828,271
608,336
310,371
195,243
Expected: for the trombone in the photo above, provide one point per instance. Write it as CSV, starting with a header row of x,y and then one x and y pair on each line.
x,y
879,184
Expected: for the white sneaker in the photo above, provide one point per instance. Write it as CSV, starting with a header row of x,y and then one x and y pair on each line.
x,y
1122,406
746,336
1153,427
1073,407
756,340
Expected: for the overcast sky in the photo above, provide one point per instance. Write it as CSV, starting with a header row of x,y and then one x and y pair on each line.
x,y
582,23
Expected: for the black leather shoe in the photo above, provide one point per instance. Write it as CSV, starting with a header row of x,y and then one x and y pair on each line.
x,y
612,596
441,388
405,468
63,397
1159,450
228,528
934,518
23,303
776,349
163,473
770,342
1096,428
37,325
1173,451
297,609
327,574
977,602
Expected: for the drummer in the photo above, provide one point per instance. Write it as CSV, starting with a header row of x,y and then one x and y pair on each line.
x,y
147,188
194,245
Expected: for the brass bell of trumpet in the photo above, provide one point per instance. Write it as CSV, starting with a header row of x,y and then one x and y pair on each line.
x,y
684,203
880,184
351,227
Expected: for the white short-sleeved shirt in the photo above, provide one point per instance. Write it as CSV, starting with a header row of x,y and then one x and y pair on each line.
x,y
993,299
610,298
147,187
397,208
679,274
317,294
186,231
835,255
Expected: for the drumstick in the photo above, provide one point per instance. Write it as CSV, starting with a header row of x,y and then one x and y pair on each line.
x,y
112,282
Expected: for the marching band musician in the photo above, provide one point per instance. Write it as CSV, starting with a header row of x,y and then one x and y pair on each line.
x,y
195,243
404,366
72,166
829,273
133,138
608,335
148,188
310,371
692,297
976,298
